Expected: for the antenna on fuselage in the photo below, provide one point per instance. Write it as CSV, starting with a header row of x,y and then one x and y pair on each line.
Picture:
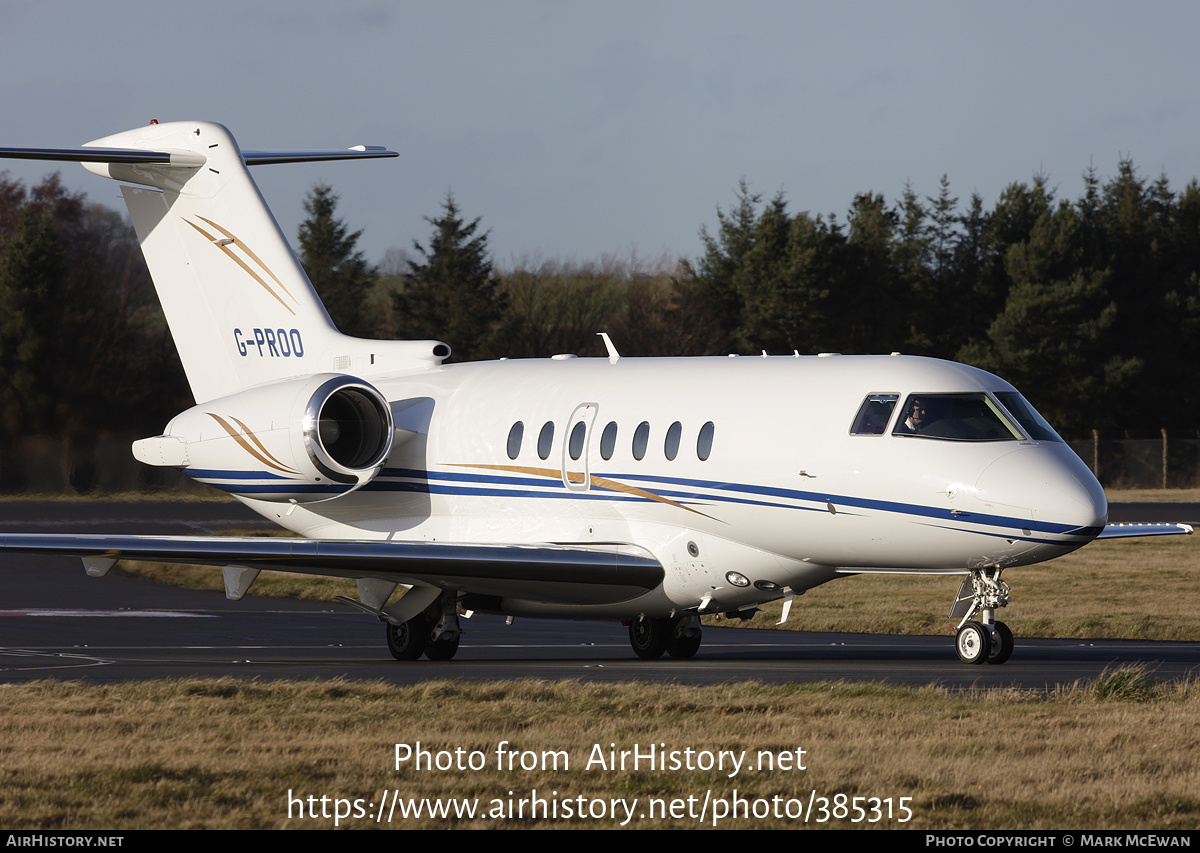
x,y
613,355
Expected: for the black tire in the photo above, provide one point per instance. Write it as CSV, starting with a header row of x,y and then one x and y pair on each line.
x,y
649,637
1002,644
441,649
407,641
973,643
684,647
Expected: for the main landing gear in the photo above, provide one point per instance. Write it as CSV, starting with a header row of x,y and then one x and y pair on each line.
x,y
984,640
678,637
434,632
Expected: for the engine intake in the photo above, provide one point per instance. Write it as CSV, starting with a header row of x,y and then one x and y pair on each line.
x,y
347,430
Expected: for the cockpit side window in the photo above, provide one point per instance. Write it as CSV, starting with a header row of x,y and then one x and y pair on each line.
x,y
874,414
955,417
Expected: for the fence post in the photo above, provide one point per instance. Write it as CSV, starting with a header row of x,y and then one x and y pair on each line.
x,y
1096,453
1164,457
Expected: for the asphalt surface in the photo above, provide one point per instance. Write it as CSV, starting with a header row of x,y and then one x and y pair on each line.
x,y
55,622
1145,513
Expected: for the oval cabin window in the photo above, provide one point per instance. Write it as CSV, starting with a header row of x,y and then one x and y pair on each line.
x,y
514,439
641,438
671,445
608,440
546,439
704,441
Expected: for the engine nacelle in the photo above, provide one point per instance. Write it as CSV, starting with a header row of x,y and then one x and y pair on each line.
x,y
304,440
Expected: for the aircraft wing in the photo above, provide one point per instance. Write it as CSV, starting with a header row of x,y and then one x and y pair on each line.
x,y
1123,531
603,573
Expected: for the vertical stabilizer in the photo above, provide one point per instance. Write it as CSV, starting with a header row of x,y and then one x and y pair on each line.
x,y
240,307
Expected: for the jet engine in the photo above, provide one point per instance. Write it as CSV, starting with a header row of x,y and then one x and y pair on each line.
x,y
305,440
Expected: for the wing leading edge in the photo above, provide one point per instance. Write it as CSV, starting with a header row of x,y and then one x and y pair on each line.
x,y
603,573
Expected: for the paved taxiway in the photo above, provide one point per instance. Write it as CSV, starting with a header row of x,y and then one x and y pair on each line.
x,y
55,622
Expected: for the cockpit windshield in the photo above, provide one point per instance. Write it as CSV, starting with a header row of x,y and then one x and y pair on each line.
x,y
1027,416
956,417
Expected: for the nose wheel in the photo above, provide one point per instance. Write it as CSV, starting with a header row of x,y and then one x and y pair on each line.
x,y
1002,644
972,642
982,640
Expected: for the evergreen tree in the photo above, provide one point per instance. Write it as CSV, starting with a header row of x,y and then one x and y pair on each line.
x,y
930,284
451,293
33,272
873,305
767,277
718,275
336,269
1056,337
81,325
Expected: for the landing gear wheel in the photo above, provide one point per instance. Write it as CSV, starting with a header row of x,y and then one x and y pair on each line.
x,y
441,649
649,637
406,641
972,643
1002,644
683,647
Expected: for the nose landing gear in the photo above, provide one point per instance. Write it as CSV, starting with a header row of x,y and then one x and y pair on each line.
x,y
984,640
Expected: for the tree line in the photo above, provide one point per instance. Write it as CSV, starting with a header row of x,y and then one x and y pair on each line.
x,y
1091,307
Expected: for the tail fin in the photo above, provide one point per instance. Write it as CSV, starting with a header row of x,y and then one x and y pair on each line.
x,y
240,308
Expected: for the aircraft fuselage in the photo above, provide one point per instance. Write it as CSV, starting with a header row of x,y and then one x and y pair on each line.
x,y
712,466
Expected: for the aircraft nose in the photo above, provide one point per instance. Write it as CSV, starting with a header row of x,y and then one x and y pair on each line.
x,y
1050,482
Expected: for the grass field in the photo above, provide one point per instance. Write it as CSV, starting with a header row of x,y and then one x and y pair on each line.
x,y
1120,753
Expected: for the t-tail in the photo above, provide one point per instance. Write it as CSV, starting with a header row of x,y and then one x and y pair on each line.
x,y
240,307
286,410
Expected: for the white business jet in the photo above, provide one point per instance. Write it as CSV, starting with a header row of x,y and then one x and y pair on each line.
x,y
652,491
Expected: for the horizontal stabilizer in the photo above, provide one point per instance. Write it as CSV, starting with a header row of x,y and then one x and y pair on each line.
x,y
358,152
187,158
104,155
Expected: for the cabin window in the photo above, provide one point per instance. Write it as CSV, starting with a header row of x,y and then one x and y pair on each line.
x,y
704,441
641,438
874,414
671,445
608,440
955,417
546,439
514,440
575,445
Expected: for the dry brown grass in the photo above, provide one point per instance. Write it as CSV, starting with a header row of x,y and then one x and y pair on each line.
x,y
1153,495
224,754
268,584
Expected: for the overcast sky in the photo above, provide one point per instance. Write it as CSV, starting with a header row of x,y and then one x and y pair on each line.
x,y
577,130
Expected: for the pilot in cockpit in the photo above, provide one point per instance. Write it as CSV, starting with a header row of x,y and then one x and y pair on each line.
x,y
916,417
